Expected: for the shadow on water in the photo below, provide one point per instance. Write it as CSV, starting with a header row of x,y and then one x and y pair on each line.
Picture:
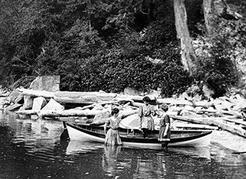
x,y
33,149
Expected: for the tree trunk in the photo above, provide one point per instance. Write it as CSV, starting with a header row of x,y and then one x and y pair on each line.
x,y
208,16
188,56
89,9
214,10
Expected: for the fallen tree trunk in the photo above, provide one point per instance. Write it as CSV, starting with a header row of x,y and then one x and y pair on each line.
x,y
36,93
214,121
95,97
66,113
237,121
79,97
75,112
174,101
235,114
83,97
89,98
27,112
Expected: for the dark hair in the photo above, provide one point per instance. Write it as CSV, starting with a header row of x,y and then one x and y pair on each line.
x,y
146,99
115,111
164,107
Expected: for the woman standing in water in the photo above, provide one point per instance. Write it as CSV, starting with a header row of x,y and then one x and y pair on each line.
x,y
146,117
112,136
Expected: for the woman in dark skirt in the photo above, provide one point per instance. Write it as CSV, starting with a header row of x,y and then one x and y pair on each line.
x,y
165,132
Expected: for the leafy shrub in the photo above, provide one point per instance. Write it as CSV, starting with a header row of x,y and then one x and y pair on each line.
x,y
113,72
219,56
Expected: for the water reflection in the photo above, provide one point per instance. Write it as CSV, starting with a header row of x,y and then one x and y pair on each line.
x,y
81,147
110,160
33,149
142,163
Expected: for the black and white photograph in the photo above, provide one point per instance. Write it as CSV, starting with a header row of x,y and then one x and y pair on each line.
x,y
122,89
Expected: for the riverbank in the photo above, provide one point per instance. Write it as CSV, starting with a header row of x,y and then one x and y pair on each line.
x,y
226,113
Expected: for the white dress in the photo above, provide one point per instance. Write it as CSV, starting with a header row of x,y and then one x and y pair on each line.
x,y
112,136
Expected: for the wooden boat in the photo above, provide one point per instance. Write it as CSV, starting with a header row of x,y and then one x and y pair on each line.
x,y
135,138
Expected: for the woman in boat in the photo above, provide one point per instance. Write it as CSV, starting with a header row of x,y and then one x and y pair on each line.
x,y
146,113
112,136
165,132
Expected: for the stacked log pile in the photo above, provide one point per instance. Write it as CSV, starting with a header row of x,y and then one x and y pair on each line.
x,y
226,113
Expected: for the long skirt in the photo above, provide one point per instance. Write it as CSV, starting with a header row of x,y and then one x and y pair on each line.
x,y
151,124
113,137
161,136
148,123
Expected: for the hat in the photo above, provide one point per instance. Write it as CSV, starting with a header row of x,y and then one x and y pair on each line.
x,y
115,111
146,99
164,107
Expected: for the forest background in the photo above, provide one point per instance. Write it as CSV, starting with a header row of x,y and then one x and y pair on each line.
x,y
114,44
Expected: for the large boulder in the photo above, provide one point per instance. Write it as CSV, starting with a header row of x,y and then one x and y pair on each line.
x,y
208,93
131,91
38,103
28,102
47,83
53,105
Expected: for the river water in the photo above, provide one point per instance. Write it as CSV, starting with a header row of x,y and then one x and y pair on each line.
x,y
32,149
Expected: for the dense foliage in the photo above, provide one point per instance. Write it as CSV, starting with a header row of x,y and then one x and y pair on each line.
x,y
221,55
103,44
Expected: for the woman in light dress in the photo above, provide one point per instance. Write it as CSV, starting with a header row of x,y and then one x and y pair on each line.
x,y
146,113
112,135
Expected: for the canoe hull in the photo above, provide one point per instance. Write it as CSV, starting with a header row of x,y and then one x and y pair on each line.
x,y
76,133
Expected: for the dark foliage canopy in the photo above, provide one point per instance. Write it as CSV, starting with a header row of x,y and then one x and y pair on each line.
x,y
95,44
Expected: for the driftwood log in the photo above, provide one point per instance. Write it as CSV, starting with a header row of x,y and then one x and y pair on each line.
x,y
205,112
95,97
220,122
36,93
80,97
27,112
71,112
